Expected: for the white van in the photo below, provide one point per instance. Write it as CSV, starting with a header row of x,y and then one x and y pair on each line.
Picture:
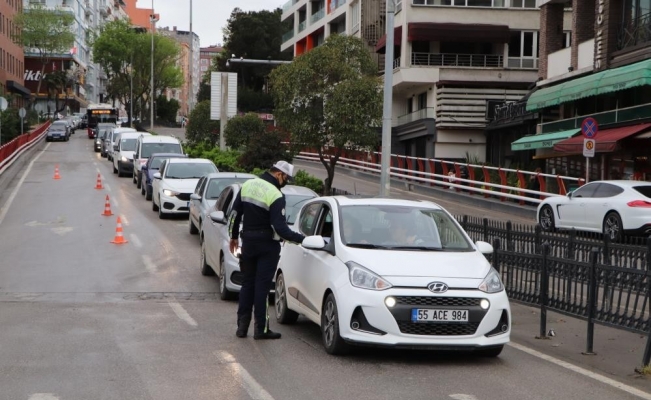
x,y
111,140
123,152
151,144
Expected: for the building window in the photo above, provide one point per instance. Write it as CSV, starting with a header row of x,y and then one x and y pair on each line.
x,y
523,49
422,101
410,106
461,3
567,39
523,3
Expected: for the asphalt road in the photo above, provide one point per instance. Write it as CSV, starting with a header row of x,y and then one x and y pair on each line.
x,y
82,318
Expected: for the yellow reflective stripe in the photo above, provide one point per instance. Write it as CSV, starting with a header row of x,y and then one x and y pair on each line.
x,y
260,193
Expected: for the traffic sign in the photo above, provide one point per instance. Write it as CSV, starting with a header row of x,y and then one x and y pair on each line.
x,y
589,128
22,112
589,147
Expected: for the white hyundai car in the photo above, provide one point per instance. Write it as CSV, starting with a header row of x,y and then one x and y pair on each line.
x,y
394,273
614,208
175,182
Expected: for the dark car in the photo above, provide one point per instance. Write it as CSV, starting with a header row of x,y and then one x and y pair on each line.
x,y
99,141
57,131
102,126
152,166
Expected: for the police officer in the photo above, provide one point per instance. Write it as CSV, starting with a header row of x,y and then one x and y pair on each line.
x,y
262,204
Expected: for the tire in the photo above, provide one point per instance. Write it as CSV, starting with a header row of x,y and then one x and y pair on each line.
x,y
206,270
193,229
139,180
546,219
284,315
332,340
613,227
154,207
161,213
143,191
134,177
490,352
224,293
148,194
115,170
120,174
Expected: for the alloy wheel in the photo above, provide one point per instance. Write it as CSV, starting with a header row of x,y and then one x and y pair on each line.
x,y
330,323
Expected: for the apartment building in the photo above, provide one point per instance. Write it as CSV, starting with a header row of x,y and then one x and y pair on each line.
x,y
11,56
140,17
189,64
207,54
451,58
605,74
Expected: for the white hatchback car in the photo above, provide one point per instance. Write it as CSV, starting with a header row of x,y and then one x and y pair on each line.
x,y
613,208
394,273
175,182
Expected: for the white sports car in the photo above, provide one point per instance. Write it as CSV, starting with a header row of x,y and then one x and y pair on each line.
x,y
395,273
613,208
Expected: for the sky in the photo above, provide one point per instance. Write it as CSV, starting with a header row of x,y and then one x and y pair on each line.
x,y
209,16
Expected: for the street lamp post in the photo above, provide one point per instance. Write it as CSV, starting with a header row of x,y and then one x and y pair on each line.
x,y
151,91
131,93
385,173
190,95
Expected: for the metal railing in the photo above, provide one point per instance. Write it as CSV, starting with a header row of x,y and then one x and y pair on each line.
x,y
288,35
634,32
301,26
289,4
396,63
427,112
457,60
642,111
317,15
11,149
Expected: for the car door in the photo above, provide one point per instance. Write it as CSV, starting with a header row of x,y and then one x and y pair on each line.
x,y
572,213
213,233
195,205
156,183
602,201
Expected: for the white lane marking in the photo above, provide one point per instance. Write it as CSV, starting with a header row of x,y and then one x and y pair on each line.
x,y
3,211
583,371
62,230
94,163
136,240
107,187
149,264
181,313
43,396
461,396
124,220
252,387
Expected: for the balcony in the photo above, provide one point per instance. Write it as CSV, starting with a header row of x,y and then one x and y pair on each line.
x,y
457,60
428,112
635,32
317,16
642,111
289,5
340,3
301,26
522,63
288,35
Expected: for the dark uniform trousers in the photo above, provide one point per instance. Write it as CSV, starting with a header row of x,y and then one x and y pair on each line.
x,y
258,262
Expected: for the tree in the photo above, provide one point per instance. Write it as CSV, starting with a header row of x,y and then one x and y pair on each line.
x,y
124,53
45,32
262,151
204,91
329,99
200,128
166,109
240,129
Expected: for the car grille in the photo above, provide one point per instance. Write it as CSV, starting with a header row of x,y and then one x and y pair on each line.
x,y
183,196
438,329
437,301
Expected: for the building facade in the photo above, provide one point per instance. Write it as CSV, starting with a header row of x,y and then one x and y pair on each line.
x,y
189,64
140,17
12,60
605,75
206,57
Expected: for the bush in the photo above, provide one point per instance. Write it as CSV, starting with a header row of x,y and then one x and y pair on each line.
x,y
226,161
200,127
242,128
302,178
263,151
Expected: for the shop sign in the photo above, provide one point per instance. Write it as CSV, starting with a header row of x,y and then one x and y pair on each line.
x,y
599,37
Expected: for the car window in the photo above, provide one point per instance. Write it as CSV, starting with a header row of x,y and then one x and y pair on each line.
x,y
644,190
228,203
293,204
308,219
585,191
189,170
324,226
217,185
162,167
219,205
147,149
607,190
128,144
200,185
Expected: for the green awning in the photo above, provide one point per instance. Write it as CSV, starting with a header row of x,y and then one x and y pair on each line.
x,y
542,141
612,80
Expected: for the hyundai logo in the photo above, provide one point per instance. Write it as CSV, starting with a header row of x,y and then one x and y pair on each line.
x,y
437,287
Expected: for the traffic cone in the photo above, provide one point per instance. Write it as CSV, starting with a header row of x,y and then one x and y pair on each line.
x,y
98,185
107,208
56,172
119,239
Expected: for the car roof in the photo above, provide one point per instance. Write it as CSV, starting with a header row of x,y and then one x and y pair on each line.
x,y
625,183
298,190
129,135
124,130
217,175
149,138
59,122
189,161
383,201
168,155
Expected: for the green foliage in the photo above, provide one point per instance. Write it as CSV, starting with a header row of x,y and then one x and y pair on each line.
x,y
200,127
240,129
11,124
264,150
204,92
329,99
302,178
251,100
166,109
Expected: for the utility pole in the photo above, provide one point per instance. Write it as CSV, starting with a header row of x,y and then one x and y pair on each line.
x,y
151,90
191,92
223,115
385,173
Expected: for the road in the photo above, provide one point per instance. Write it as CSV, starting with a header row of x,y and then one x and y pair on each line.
x,y
83,318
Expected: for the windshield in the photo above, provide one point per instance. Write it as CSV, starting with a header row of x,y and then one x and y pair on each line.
x,y
128,145
217,185
189,170
57,128
293,204
150,148
401,228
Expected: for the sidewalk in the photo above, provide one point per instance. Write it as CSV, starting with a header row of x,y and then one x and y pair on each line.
x,y
618,352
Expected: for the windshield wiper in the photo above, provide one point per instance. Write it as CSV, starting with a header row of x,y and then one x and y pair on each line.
x,y
423,248
367,246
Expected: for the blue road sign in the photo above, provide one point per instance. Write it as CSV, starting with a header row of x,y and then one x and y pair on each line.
x,y
589,128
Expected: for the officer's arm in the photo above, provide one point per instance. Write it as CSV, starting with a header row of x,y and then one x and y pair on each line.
x,y
279,223
236,217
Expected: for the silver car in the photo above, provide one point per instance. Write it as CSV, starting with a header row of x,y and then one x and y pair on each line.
x,y
205,195
215,240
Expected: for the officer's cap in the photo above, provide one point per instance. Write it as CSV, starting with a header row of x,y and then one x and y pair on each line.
x,y
285,167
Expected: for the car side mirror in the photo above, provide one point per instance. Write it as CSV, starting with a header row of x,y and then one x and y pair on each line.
x,y
569,195
217,216
195,196
157,175
483,247
314,243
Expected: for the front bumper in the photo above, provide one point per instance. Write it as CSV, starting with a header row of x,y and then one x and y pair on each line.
x,y
56,137
98,146
174,204
125,166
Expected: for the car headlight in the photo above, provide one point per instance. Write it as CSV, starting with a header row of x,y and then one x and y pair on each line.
x,y
124,159
492,283
364,279
170,193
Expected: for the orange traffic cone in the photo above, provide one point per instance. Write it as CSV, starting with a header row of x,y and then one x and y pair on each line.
x,y
107,207
56,172
119,239
98,185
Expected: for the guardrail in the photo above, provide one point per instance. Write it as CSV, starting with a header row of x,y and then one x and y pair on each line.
x,y
495,182
13,148
588,277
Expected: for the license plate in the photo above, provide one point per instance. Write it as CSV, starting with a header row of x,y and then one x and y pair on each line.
x,y
435,315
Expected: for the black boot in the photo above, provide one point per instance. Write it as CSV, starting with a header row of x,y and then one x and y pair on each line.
x,y
262,333
242,326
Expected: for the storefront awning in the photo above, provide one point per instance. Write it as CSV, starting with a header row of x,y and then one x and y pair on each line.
x,y
612,80
455,32
382,43
18,88
607,140
542,141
